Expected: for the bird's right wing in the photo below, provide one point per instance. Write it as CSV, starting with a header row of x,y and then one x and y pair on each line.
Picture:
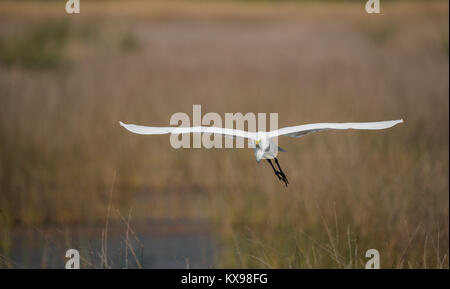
x,y
301,130
149,130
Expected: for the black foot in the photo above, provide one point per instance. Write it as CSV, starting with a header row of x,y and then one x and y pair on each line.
x,y
283,178
283,175
279,173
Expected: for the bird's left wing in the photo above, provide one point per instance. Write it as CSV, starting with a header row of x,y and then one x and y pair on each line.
x,y
149,130
301,130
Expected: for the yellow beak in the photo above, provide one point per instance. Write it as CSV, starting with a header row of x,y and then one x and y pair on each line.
x,y
257,142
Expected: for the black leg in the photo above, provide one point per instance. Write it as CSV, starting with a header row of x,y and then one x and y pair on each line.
x,y
277,173
283,175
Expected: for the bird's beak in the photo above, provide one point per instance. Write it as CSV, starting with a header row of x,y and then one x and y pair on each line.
x,y
257,142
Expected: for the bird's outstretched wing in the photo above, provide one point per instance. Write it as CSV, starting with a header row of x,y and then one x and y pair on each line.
x,y
140,129
301,130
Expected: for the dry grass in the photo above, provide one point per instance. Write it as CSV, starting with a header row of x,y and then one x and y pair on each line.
x,y
61,143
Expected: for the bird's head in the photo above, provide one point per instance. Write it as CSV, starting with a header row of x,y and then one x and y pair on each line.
x,y
259,143
260,139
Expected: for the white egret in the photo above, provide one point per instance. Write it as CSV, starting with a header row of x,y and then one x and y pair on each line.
x,y
264,146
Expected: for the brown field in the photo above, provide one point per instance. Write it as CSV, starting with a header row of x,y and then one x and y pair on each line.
x,y
66,81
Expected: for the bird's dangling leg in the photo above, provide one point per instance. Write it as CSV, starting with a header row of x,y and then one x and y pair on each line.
x,y
277,173
283,175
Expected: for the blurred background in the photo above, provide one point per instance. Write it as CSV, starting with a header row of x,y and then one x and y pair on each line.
x,y
71,177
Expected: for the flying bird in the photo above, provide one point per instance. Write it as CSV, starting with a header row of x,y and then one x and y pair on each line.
x,y
263,143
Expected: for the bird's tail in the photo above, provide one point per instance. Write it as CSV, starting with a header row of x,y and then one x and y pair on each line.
x,y
282,149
